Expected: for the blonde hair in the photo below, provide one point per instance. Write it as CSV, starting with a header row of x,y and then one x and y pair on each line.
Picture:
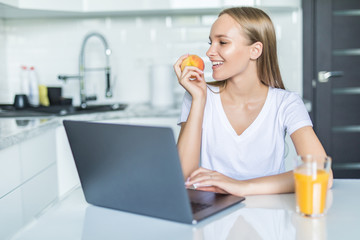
x,y
258,27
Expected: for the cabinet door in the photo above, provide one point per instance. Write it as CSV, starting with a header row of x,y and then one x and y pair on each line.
x,y
63,5
11,214
37,153
10,173
66,169
39,192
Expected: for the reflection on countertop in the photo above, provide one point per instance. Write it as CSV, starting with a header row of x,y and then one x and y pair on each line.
x,y
258,217
15,130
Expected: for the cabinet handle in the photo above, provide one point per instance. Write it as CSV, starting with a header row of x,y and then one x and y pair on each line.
x,y
323,76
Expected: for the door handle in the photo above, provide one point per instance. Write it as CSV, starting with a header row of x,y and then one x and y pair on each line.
x,y
323,76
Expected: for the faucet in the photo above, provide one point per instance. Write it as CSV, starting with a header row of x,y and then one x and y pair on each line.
x,y
83,69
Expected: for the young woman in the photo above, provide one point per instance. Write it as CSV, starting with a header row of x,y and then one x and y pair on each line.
x,y
234,128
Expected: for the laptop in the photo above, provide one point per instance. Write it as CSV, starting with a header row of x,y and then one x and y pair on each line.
x,y
137,169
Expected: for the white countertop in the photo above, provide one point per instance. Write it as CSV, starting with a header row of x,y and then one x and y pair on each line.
x,y
15,130
258,217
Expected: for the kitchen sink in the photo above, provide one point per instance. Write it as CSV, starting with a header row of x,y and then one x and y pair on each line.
x,y
10,111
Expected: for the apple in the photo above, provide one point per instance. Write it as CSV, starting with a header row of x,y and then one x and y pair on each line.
x,y
193,60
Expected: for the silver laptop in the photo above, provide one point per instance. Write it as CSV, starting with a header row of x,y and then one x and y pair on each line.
x,y
137,169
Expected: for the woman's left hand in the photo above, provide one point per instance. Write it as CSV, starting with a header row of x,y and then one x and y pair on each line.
x,y
208,180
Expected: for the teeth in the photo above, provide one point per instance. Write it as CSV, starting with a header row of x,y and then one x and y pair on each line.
x,y
216,63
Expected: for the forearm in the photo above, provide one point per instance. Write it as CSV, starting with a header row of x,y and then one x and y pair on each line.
x,y
189,141
280,183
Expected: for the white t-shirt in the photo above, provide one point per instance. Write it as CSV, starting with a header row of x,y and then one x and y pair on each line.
x,y
259,150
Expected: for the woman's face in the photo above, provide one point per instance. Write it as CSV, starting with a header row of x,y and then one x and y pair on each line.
x,y
229,50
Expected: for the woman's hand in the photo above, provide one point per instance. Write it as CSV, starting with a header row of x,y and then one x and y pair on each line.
x,y
191,78
208,180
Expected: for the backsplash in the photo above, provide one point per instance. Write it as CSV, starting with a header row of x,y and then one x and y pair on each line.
x,y
3,79
53,45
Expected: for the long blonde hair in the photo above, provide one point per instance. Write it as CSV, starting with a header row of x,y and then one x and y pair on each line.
x,y
258,27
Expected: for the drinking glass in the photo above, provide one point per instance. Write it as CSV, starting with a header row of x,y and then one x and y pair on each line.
x,y
311,184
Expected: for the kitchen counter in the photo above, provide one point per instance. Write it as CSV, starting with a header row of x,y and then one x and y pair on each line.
x,y
15,130
258,217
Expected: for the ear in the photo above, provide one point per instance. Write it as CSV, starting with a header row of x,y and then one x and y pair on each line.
x,y
256,50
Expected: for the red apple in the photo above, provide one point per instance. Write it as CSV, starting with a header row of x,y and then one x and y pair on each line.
x,y
193,60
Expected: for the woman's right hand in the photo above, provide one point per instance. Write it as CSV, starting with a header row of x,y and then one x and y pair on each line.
x,y
191,78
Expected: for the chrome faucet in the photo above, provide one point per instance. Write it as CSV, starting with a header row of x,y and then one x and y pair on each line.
x,y
83,69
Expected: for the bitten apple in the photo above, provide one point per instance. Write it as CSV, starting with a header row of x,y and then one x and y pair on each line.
x,y
193,60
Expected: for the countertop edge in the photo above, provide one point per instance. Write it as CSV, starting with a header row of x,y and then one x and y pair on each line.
x,y
46,124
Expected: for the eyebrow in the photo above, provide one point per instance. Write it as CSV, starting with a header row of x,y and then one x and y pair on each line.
x,y
219,36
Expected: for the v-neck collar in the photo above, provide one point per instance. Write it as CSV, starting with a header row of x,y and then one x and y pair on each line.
x,y
254,124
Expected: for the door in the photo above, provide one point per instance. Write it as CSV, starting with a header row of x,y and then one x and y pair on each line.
x,y
332,79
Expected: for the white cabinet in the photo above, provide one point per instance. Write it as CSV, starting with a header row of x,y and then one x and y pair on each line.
x,y
10,170
66,169
22,161
125,5
63,5
28,181
278,3
37,154
38,192
11,214
14,3
138,6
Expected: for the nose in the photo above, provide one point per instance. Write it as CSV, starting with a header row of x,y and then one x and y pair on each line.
x,y
211,51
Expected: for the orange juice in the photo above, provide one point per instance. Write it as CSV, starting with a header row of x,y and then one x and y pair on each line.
x,y
311,192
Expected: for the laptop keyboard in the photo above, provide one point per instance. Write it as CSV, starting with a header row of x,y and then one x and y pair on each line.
x,y
196,207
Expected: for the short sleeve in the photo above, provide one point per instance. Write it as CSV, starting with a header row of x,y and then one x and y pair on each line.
x,y
295,114
185,108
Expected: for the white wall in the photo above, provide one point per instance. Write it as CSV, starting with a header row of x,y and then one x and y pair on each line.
x,y
3,80
53,46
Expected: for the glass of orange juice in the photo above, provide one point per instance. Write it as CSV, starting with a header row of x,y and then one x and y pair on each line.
x,y
311,183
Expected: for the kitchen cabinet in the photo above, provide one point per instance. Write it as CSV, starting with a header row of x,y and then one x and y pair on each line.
x,y
21,162
66,169
274,3
11,214
92,8
10,173
37,154
28,181
64,5
39,192
23,203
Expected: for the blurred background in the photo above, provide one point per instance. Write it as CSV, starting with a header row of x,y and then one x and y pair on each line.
x,y
318,51
141,34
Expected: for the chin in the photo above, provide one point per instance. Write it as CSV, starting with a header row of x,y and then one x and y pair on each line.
x,y
218,78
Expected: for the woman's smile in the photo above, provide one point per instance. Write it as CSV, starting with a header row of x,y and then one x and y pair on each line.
x,y
216,64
